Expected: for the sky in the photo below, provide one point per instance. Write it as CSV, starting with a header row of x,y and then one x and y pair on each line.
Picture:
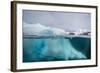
x,y
69,21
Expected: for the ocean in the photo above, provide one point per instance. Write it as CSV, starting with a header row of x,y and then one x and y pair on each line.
x,y
39,49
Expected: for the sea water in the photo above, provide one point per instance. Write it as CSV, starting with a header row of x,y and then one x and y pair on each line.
x,y
56,48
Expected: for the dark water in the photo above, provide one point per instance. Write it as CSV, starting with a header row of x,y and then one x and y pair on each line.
x,y
56,49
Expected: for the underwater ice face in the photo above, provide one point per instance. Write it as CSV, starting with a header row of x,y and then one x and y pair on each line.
x,y
55,49
61,48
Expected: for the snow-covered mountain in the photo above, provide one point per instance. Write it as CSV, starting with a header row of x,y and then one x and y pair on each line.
x,y
82,32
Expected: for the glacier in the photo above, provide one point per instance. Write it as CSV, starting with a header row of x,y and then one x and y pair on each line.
x,y
53,48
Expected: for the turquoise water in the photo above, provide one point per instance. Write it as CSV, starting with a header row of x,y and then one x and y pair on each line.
x,y
56,49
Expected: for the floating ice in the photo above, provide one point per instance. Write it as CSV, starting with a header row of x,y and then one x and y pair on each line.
x,y
50,49
39,29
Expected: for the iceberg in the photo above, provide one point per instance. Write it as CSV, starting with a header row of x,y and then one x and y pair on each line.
x,y
39,29
52,49
33,29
